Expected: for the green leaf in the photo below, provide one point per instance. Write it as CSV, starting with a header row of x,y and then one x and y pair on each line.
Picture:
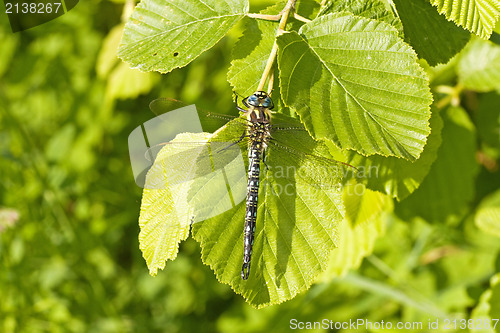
x,y
372,9
295,231
7,49
123,82
495,299
162,34
433,37
363,225
495,38
363,205
61,144
354,82
488,214
488,119
308,9
449,187
478,16
107,60
251,52
479,66
488,308
165,216
394,176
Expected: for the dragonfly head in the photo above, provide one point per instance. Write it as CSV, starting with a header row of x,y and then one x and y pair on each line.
x,y
259,99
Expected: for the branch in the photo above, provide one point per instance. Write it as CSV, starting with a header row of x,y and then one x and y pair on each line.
x,y
281,28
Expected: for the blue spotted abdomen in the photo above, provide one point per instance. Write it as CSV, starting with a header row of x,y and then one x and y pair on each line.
x,y
254,155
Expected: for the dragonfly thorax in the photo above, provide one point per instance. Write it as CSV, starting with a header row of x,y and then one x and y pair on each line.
x,y
259,119
259,134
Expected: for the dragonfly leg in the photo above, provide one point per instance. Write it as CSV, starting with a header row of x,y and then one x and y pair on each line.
x,y
241,138
234,143
244,103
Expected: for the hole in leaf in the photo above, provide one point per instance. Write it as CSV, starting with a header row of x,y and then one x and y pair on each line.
x,y
155,53
176,54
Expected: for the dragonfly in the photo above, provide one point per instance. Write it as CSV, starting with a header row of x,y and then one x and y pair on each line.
x,y
268,139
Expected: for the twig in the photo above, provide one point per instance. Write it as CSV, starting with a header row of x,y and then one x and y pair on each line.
x,y
276,17
270,83
301,18
452,95
281,28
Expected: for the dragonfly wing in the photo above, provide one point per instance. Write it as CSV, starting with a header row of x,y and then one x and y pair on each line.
x,y
294,154
181,114
208,178
309,165
281,122
179,162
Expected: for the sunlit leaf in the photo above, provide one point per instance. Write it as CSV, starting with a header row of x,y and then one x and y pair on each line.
x,y
479,66
363,225
394,176
478,16
372,9
488,214
354,82
165,217
162,34
486,311
295,232
107,58
123,82
363,205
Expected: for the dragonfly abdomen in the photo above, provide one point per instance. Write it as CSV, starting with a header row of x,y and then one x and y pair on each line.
x,y
254,154
258,133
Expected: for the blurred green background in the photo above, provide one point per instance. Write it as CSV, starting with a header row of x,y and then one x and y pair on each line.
x,y
69,255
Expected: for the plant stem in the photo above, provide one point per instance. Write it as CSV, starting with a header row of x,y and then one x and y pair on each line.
x,y
452,95
270,61
276,17
270,83
128,8
301,18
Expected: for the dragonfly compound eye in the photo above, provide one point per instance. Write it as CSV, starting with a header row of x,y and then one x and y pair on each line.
x,y
253,100
268,103
260,98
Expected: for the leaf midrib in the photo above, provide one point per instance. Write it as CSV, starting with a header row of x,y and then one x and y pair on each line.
x,y
146,38
383,129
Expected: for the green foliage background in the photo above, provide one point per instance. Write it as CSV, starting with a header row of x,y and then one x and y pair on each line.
x,y
71,261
